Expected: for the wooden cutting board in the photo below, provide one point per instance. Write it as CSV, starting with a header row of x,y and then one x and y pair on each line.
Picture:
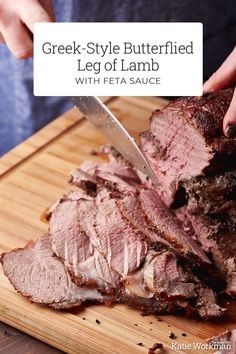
x,y
32,176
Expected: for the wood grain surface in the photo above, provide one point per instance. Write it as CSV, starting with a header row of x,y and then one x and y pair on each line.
x,y
34,175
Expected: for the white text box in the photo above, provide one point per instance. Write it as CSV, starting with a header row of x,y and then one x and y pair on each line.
x,y
112,59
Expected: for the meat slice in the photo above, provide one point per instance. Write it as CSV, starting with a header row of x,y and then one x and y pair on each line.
x,y
169,226
131,209
211,194
86,265
124,246
38,274
117,173
165,277
186,140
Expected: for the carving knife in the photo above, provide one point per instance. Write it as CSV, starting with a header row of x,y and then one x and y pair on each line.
x,y
103,119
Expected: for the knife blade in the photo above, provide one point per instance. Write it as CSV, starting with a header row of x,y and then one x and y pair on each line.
x,y
101,117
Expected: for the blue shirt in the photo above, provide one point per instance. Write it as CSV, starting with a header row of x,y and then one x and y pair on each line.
x,y
21,114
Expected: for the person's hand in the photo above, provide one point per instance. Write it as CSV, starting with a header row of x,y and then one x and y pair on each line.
x,y
222,78
16,23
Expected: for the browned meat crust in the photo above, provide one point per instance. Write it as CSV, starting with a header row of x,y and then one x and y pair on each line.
x,y
186,140
211,194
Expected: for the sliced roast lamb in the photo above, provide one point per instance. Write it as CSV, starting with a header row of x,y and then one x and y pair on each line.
x,y
93,251
161,285
118,241
144,209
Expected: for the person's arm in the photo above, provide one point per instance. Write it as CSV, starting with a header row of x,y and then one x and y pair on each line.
x,y
16,23
222,78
